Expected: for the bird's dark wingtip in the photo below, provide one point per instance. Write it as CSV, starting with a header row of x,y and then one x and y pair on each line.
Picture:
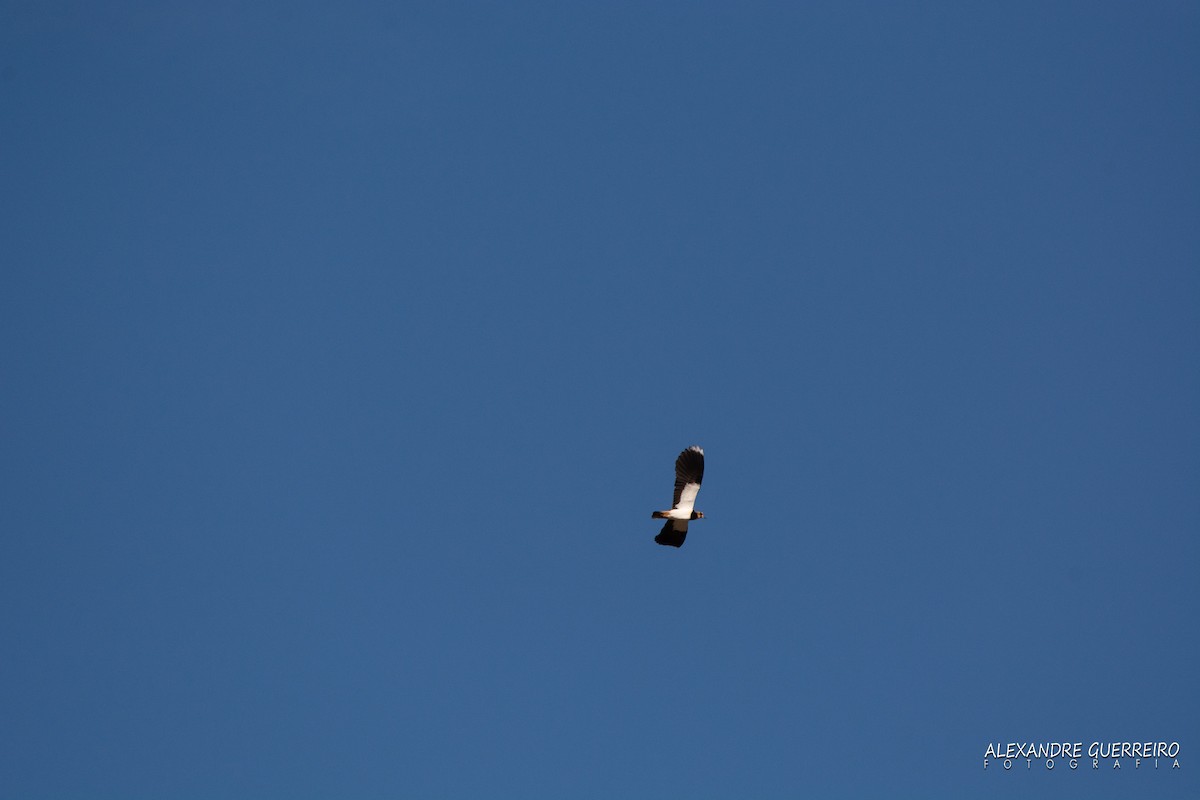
x,y
671,537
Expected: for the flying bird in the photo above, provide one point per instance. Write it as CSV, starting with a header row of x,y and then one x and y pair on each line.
x,y
689,471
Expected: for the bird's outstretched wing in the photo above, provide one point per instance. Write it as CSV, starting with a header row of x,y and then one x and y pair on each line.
x,y
673,533
689,472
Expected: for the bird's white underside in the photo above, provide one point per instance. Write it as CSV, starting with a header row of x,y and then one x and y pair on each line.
x,y
687,501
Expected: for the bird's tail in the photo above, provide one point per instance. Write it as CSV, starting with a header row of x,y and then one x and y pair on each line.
x,y
658,515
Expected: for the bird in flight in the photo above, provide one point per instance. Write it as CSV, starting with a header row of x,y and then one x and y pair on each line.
x,y
689,471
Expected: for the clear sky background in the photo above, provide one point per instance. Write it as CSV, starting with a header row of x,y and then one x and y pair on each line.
x,y
345,350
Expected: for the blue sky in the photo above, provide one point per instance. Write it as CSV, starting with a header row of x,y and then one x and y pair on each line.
x,y
347,348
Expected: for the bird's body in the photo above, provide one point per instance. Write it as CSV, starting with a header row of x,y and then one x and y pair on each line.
x,y
689,472
675,513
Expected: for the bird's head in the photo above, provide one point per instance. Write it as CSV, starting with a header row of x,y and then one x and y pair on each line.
x,y
697,515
